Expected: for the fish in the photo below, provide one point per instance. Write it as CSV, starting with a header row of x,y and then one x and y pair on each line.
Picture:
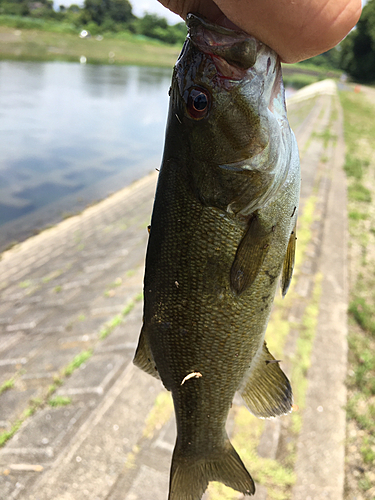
x,y
223,231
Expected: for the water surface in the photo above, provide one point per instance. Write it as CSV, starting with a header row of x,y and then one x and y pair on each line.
x,y
71,134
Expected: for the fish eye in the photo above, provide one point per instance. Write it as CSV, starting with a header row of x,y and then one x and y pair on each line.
x,y
198,103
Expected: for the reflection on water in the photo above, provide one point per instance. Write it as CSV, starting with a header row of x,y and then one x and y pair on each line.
x,y
75,129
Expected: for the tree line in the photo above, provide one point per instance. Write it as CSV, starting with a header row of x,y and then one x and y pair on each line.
x,y
99,16
357,51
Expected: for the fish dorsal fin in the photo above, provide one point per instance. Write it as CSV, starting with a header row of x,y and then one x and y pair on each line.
x,y
267,391
143,358
288,264
250,256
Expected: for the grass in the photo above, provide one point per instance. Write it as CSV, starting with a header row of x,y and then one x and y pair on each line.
x,y
118,319
359,130
302,355
51,276
77,362
159,415
110,289
299,80
358,192
25,284
59,401
5,436
363,314
34,44
326,135
8,384
311,68
354,167
356,215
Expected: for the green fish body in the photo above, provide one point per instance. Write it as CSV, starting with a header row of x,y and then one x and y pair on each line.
x,y
222,233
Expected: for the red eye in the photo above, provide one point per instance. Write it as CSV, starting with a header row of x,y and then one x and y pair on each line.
x,y
198,103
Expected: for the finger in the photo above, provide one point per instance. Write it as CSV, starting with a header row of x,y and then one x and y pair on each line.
x,y
295,30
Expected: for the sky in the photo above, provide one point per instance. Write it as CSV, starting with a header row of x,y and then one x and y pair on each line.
x,y
139,8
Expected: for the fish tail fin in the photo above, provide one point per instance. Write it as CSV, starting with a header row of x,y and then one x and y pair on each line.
x,y
190,475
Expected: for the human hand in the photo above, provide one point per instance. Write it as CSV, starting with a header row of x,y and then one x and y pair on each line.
x,y
295,29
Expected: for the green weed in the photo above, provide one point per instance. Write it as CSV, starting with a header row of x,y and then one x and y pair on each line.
x,y
368,450
6,435
159,414
24,284
77,362
299,80
51,276
365,483
358,192
59,401
363,313
355,215
354,166
326,135
8,384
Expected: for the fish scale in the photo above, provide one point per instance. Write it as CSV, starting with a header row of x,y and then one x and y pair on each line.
x,y
222,232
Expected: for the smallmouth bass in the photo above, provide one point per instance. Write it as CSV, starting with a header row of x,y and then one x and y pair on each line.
x,y
223,230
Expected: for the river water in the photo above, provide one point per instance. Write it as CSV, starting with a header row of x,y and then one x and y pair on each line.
x,y
70,134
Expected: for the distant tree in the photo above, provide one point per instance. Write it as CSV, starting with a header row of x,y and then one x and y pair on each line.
x,y
74,8
154,26
15,7
357,56
43,9
119,11
328,60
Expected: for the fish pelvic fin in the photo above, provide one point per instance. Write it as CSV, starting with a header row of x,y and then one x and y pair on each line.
x,y
143,358
267,391
250,255
190,475
288,264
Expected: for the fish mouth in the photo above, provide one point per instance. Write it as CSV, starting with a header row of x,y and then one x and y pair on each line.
x,y
232,51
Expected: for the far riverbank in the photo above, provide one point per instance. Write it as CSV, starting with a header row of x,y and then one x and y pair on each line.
x,y
37,45
22,44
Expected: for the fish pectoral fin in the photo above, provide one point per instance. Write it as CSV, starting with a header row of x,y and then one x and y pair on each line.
x,y
143,358
250,256
288,264
190,475
267,391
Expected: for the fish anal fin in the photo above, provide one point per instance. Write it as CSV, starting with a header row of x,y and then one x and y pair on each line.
x,y
250,256
288,264
143,358
190,475
267,391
